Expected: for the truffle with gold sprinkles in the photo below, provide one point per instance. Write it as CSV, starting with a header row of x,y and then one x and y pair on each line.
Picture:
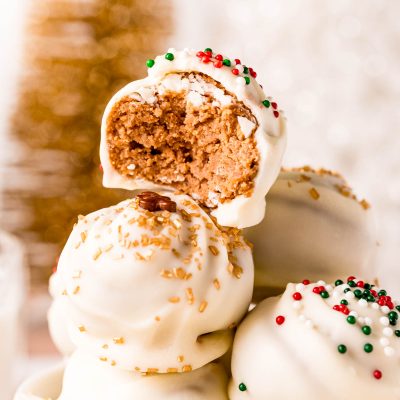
x,y
159,282
315,226
320,336
86,379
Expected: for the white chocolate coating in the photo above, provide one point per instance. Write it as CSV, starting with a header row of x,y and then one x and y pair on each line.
x,y
85,379
304,237
300,359
151,291
270,135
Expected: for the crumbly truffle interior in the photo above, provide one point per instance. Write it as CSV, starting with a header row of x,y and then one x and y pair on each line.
x,y
187,132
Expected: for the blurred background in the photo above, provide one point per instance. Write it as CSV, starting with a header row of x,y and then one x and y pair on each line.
x,y
333,66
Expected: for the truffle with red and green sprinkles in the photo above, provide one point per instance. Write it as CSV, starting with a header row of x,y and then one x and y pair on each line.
x,y
199,123
341,339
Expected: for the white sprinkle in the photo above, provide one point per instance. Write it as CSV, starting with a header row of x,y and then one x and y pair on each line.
x,y
309,324
328,288
240,81
384,341
384,321
349,295
389,351
297,305
387,332
335,294
300,287
240,68
321,283
354,313
375,306
385,309
302,317
131,167
368,321
363,303
361,320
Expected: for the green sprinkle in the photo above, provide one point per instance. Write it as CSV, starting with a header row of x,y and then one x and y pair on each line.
x,y
227,62
382,293
366,330
346,290
150,63
351,283
397,332
342,348
367,286
398,308
345,302
393,321
351,319
169,56
247,79
358,293
368,347
242,387
371,298
393,314
207,49
266,103
324,294
245,69
338,282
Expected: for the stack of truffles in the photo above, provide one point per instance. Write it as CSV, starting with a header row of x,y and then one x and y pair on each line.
x,y
149,293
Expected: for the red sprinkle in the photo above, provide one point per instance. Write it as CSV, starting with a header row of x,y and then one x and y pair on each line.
x,y
297,296
317,290
336,307
351,278
373,292
218,64
306,282
235,71
377,374
280,319
219,57
237,61
205,59
208,53
200,54
360,284
276,113
274,105
253,73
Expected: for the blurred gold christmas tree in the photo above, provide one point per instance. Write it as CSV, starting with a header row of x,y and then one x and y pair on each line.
x,y
78,53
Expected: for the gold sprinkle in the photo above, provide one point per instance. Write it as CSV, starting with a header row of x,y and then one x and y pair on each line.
x,y
113,363
217,284
314,193
77,245
177,223
174,299
166,273
213,250
104,359
81,217
81,328
179,273
209,225
190,295
64,293
97,254
157,318
140,256
151,371
203,306
172,370
76,290
108,248
180,358
364,204
105,346
83,236
77,274
176,253
137,369
186,368
119,340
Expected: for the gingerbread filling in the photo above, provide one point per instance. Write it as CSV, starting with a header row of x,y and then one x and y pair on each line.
x,y
187,132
